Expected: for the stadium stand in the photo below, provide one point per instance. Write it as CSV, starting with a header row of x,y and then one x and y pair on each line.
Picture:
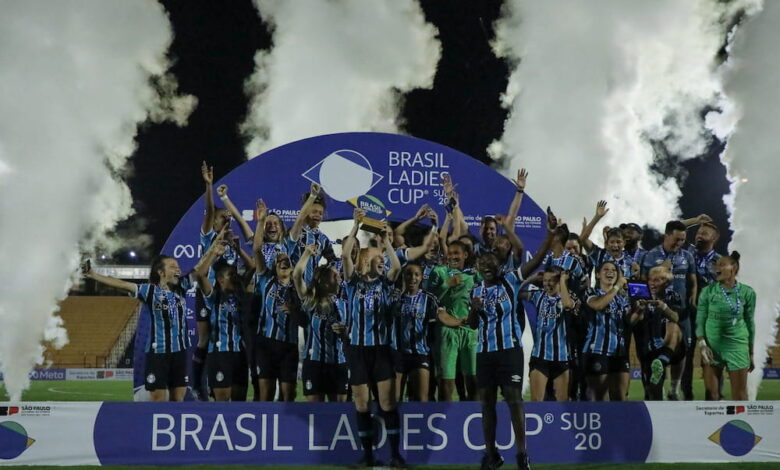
x,y
98,328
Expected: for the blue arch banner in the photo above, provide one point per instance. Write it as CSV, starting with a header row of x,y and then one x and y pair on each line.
x,y
402,172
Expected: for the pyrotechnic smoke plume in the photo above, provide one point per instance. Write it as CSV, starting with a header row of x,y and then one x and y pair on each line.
x,y
599,91
74,83
752,83
336,66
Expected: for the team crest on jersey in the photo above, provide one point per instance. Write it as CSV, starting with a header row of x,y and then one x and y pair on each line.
x,y
220,376
308,385
151,378
516,378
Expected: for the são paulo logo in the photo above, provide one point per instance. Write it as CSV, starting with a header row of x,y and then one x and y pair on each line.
x,y
13,440
344,175
736,437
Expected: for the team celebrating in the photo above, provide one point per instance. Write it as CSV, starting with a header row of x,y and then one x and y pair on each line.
x,y
428,311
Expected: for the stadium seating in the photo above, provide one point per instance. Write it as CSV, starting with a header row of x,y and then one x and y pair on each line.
x,y
94,325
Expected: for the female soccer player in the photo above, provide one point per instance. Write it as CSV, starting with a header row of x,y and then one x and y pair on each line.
x,y
614,246
660,335
227,362
166,361
550,354
305,231
414,311
725,328
605,350
495,307
325,373
276,344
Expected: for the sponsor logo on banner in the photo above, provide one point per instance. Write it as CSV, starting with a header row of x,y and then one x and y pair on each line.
x,y
437,433
736,438
772,373
13,440
8,410
45,374
344,175
753,409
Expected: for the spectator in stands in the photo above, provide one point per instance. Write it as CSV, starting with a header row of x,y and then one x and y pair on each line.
x,y
166,348
227,362
726,329
683,268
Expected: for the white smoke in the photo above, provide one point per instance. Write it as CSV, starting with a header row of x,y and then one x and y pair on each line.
x,y
336,66
74,84
597,88
752,82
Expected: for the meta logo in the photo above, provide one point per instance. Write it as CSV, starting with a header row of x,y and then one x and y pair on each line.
x,y
13,439
736,437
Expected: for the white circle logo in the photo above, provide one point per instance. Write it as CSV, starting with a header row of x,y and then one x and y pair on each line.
x,y
220,376
151,378
344,175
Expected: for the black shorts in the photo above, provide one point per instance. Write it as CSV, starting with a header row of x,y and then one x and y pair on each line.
x,y
599,364
276,359
201,311
497,368
369,364
320,378
165,370
550,369
406,363
227,369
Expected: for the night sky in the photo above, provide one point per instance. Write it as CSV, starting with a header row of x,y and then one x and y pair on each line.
x,y
212,54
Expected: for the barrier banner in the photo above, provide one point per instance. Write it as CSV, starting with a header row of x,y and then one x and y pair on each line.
x,y
45,374
432,433
98,374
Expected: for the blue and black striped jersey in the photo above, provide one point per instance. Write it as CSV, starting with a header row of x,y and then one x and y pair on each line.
x,y
683,266
413,315
573,267
550,340
277,304
310,236
322,344
499,325
230,256
705,265
225,332
271,249
607,328
599,256
168,330
368,309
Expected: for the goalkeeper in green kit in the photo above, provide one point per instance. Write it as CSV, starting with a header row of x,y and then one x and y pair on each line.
x,y
452,285
725,328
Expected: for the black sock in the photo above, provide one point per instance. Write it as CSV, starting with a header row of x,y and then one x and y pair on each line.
x,y
366,432
393,425
198,364
665,355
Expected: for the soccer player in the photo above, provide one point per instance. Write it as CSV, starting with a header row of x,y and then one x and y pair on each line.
x,y
305,231
614,246
726,329
227,362
414,310
657,319
550,354
166,348
457,345
495,308
325,373
605,350
369,356
705,256
276,345
683,267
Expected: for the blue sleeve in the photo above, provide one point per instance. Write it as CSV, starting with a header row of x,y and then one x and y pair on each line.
x,y
595,255
648,262
206,239
691,263
209,299
142,291
261,282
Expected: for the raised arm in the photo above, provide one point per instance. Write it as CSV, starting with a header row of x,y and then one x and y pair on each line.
x,y
300,270
201,269
348,266
208,177
698,220
395,263
261,212
400,231
514,206
416,252
222,192
566,299
297,228
527,268
601,302
601,211
87,272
